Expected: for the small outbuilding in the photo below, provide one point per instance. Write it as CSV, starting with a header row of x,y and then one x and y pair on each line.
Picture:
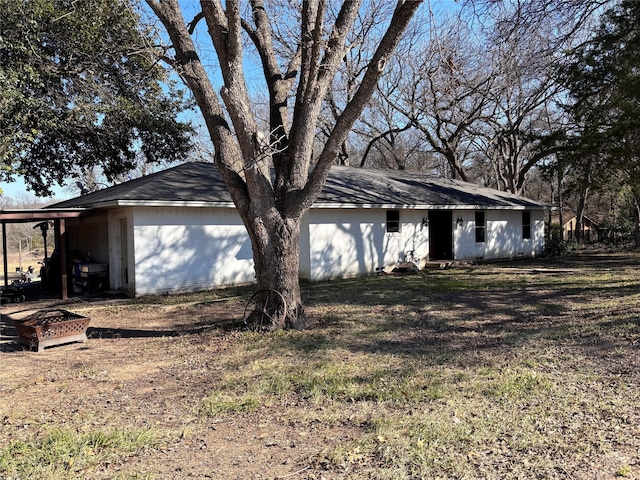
x,y
178,230
588,232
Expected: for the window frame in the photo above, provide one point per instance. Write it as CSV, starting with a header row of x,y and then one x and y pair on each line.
x,y
481,226
393,224
526,225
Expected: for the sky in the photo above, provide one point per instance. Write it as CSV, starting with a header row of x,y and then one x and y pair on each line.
x,y
18,188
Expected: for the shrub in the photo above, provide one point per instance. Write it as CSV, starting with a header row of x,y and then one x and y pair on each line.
x,y
555,245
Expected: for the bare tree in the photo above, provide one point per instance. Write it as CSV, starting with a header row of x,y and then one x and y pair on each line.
x,y
381,137
525,110
443,91
526,41
362,44
573,19
303,69
482,90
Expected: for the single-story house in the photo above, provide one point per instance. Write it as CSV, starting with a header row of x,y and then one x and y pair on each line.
x,y
589,231
178,230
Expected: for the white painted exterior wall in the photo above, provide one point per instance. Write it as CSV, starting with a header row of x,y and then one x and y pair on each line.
x,y
503,239
349,242
155,250
188,249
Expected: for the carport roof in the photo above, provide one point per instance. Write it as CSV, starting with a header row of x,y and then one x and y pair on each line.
x,y
36,215
200,184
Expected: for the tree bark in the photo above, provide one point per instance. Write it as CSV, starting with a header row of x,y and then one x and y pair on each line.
x,y
579,229
277,259
585,185
636,204
272,207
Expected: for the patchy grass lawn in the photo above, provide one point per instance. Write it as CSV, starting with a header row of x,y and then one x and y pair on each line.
x,y
518,370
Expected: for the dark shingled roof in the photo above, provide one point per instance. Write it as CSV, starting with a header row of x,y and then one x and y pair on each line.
x,y
200,184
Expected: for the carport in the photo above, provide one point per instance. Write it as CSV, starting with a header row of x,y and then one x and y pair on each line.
x,y
58,217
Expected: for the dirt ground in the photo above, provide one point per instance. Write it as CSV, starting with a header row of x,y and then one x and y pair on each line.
x,y
149,366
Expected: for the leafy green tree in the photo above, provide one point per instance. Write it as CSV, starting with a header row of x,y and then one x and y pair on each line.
x,y
603,80
81,87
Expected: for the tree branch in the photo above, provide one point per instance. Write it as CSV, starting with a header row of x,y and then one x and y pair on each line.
x,y
228,157
377,138
402,15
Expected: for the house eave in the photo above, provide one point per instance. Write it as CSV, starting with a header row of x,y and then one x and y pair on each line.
x,y
317,205
204,204
388,206
159,203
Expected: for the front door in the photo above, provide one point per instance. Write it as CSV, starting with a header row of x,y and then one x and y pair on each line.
x,y
440,235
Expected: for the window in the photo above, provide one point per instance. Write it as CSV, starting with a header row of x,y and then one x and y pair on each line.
x,y
393,221
480,227
526,225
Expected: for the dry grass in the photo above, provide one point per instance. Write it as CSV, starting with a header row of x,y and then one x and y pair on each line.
x,y
523,370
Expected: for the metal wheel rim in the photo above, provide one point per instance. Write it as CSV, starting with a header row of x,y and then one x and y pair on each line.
x,y
273,302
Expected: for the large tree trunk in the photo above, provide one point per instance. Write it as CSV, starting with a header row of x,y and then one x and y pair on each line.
x,y
582,201
276,254
560,201
636,203
579,229
272,205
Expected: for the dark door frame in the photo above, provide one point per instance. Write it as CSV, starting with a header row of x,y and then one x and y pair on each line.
x,y
440,235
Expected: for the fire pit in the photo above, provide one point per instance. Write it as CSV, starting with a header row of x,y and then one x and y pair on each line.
x,y
46,328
